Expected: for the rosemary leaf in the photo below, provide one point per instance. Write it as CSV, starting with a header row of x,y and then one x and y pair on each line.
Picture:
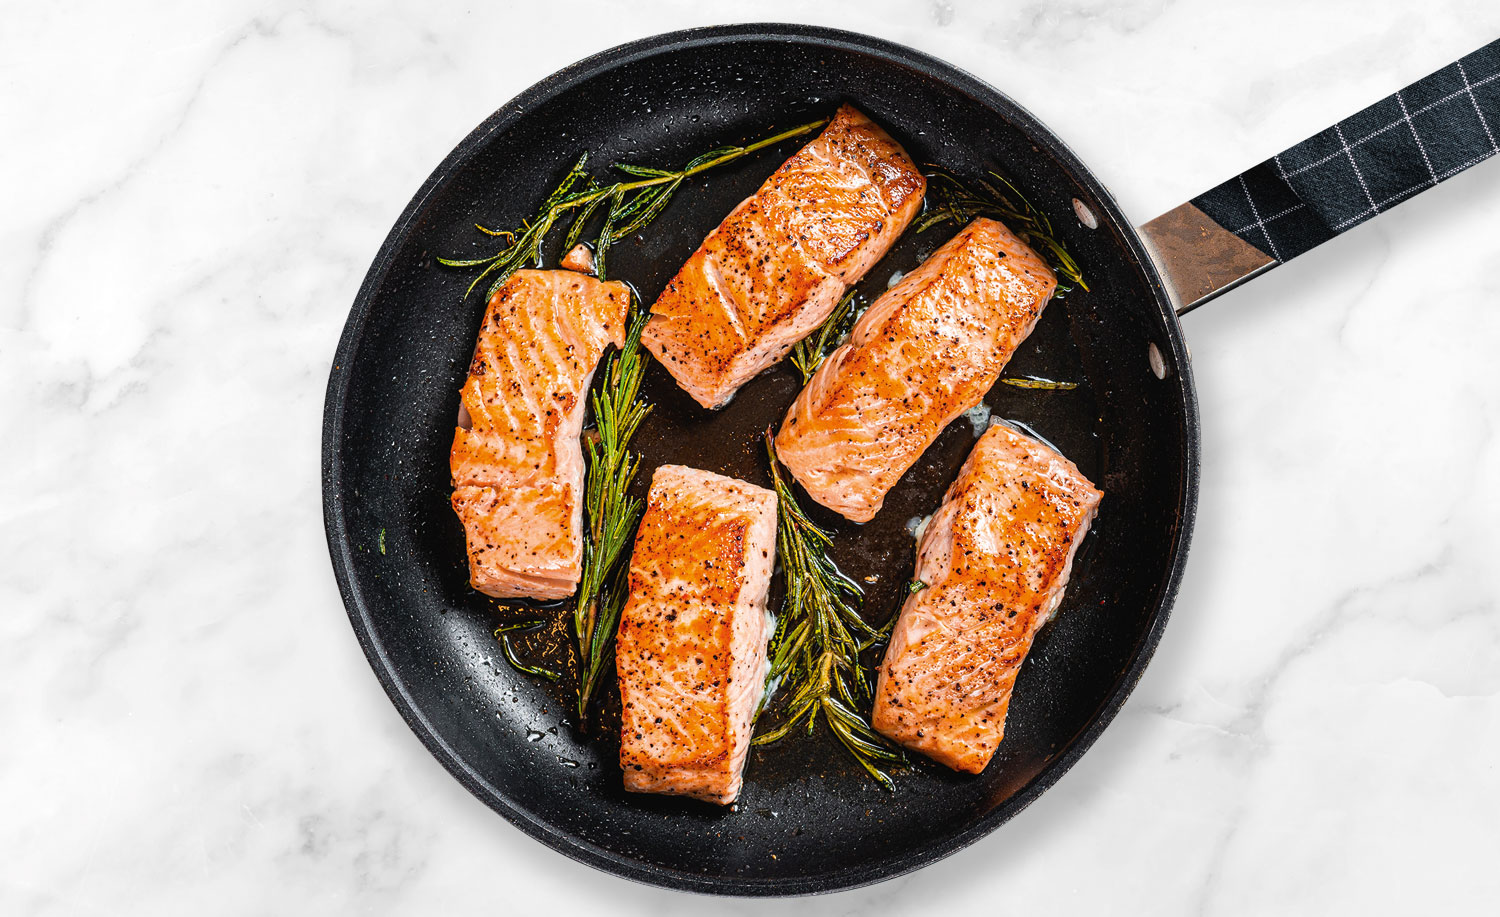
x,y
1037,383
601,248
640,171
650,205
581,221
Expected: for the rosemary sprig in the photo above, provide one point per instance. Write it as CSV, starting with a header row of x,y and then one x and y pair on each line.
x,y
950,199
819,637
632,205
809,352
610,511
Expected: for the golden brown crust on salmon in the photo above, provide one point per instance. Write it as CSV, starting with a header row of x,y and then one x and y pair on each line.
x,y
922,354
516,462
777,265
996,558
846,196
691,650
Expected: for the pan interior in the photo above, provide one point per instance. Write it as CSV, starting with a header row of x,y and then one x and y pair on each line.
x,y
809,820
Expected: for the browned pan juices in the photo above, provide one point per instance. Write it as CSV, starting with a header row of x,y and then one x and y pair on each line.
x,y
879,554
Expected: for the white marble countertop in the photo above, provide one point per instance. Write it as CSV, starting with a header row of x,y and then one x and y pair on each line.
x,y
190,194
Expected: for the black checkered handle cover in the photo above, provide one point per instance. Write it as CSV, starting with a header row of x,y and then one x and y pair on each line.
x,y
1369,162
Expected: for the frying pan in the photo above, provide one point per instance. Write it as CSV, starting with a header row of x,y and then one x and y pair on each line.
x,y
809,820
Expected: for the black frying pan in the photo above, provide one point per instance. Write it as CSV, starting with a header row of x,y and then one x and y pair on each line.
x,y
809,820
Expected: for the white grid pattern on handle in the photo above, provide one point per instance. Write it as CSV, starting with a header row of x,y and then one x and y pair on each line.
x,y
1303,196
1265,222
1258,222
1469,88
1427,160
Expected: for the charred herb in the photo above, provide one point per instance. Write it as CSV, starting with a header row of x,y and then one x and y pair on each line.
x,y
819,637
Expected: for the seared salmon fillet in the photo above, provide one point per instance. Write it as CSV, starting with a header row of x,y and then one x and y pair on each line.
x,y
778,264
691,650
996,557
517,462
922,354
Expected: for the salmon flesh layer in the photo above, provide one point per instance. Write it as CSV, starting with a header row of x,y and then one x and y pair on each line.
x,y
927,350
996,557
691,651
778,264
517,462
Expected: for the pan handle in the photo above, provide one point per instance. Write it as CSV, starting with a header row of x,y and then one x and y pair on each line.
x,y
1331,182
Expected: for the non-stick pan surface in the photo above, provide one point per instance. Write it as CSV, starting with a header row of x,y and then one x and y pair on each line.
x,y
809,820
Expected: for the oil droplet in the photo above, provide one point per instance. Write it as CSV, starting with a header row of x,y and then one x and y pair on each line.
x,y
566,762
533,736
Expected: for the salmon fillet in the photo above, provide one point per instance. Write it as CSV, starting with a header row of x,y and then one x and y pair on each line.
x,y
517,462
922,354
778,264
691,650
996,557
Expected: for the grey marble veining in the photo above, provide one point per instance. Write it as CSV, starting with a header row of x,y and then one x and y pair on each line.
x,y
191,194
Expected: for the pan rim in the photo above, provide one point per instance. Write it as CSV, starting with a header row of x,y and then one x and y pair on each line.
x,y
340,548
